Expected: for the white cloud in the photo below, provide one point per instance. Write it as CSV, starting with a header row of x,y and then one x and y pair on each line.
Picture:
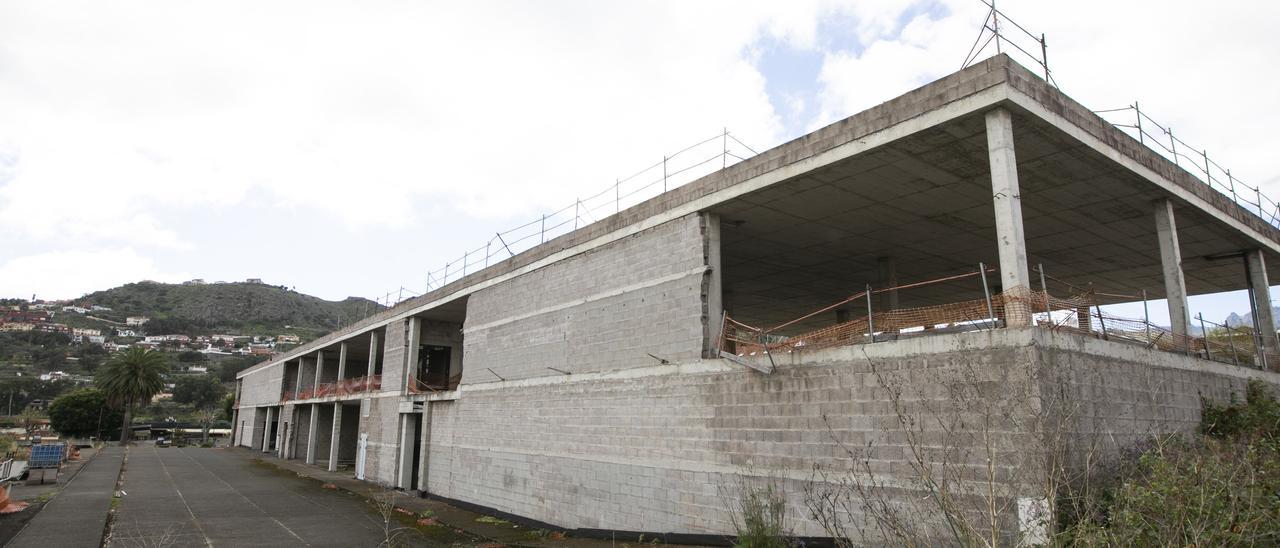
x,y
65,274
378,126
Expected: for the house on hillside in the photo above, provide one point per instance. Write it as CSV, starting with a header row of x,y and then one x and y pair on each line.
x,y
136,321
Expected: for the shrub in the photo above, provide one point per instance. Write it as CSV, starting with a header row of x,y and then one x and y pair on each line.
x,y
1221,488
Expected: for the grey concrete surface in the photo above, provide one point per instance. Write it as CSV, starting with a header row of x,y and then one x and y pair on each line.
x,y
206,497
78,514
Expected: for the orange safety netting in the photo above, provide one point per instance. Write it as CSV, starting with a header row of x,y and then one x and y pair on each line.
x,y
1077,313
340,388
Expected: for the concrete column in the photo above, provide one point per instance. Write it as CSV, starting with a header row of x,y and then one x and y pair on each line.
x,y
235,427
342,361
424,441
887,276
287,434
1010,239
373,352
714,286
1175,284
319,370
266,433
411,353
407,435
311,433
282,433
337,434
297,386
1260,291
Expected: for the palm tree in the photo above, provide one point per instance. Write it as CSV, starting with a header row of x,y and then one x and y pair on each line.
x,y
131,378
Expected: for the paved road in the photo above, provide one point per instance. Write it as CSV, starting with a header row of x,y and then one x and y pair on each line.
x,y
78,514
211,497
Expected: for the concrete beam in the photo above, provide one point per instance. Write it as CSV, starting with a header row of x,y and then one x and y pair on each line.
x,y
1264,320
1175,283
311,433
1010,238
336,433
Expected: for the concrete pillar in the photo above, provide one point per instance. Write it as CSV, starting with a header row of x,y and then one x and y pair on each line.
x,y
335,438
713,286
1260,291
319,370
373,352
297,386
1175,284
407,435
266,433
887,276
411,353
424,441
342,361
286,445
1010,239
311,433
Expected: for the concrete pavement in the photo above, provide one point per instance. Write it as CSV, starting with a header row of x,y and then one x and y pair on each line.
x,y
77,515
200,497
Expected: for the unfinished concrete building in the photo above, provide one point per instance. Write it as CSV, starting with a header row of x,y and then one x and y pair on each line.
x,y
754,325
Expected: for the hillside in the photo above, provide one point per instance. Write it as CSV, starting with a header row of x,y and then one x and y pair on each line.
x,y
238,307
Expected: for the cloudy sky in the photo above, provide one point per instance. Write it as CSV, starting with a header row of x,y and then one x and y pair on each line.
x,y
350,148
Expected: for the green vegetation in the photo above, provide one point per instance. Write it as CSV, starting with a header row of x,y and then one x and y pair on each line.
x,y
24,390
242,307
1218,488
199,391
130,378
759,516
83,413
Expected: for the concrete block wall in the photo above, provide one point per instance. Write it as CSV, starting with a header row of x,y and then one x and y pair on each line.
x,y
393,352
653,449
603,310
324,430
1119,398
300,428
262,387
349,434
250,435
383,426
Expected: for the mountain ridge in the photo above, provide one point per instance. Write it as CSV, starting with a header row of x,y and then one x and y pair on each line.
x,y
237,306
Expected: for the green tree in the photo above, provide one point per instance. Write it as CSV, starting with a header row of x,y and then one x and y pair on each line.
x,y
130,378
83,413
229,367
198,391
228,407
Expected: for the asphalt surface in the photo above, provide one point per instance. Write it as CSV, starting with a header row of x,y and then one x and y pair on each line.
x,y
209,497
77,515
